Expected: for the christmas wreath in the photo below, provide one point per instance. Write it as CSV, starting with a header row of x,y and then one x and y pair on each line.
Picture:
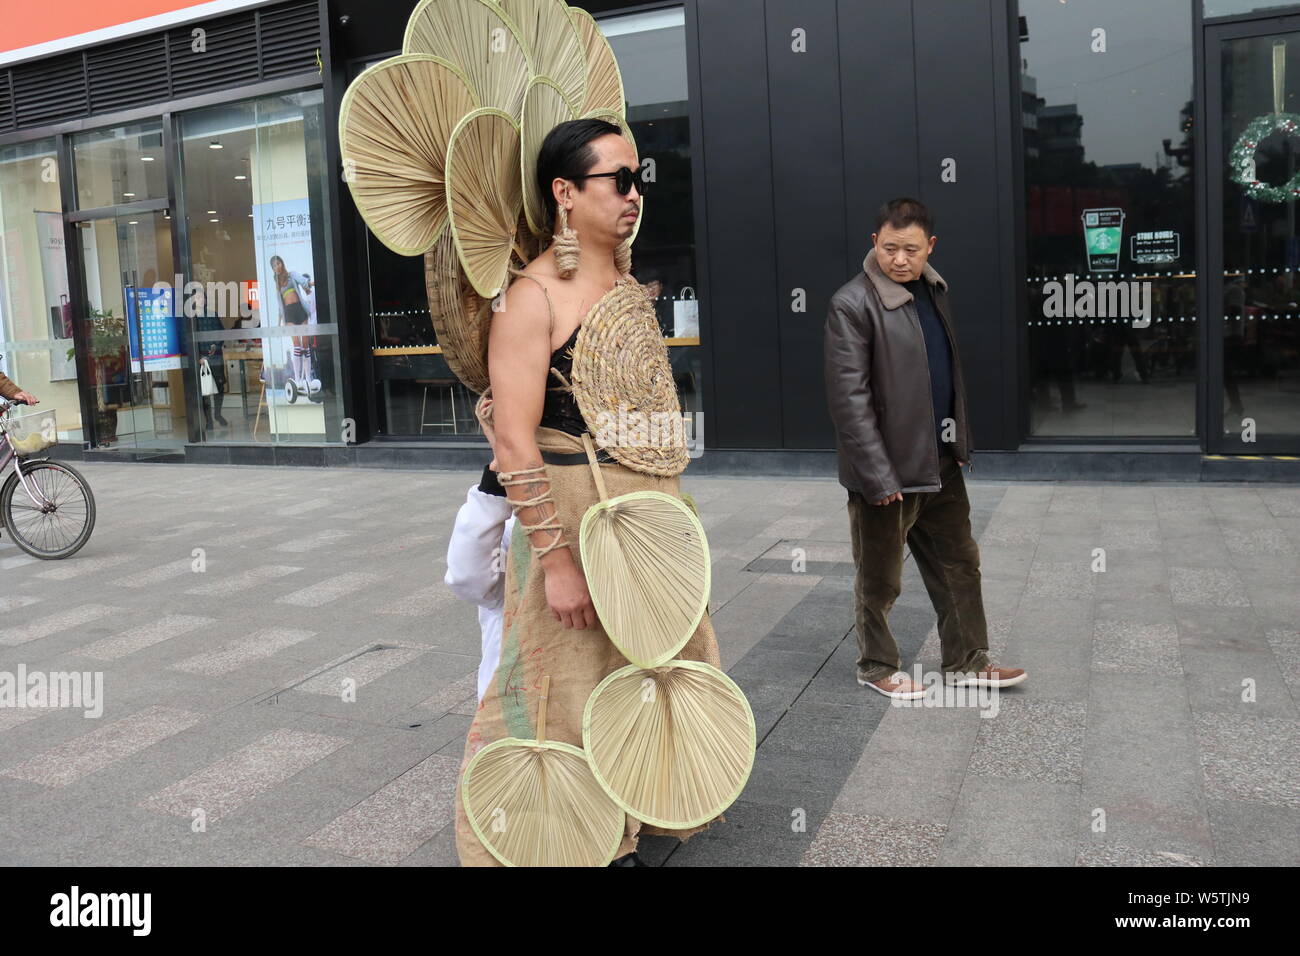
x,y
1242,161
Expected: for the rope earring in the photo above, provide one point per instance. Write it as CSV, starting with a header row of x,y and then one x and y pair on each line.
x,y
566,247
623,258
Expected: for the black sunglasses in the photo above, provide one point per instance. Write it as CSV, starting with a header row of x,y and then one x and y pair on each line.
x,y
623,179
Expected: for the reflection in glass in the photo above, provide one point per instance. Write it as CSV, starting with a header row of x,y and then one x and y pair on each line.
x,y
134,342
1111,241
259,247
119,165
36,316
1261,244
1228,8
651,52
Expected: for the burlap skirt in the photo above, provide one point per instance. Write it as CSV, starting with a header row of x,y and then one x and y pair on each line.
x,y
534,643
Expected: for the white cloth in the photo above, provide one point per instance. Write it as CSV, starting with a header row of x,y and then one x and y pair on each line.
x,y
476,562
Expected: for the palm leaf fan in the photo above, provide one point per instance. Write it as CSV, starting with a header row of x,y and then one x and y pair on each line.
x,y
545,107
648,572
672,745
604,81
646,560
536,802
554,45
484,196
460,315
478,37
394,124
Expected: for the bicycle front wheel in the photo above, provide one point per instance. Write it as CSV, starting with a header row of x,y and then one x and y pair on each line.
x,y
50,532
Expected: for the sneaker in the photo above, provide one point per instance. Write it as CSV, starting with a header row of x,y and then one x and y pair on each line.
x,y
897,686
991,676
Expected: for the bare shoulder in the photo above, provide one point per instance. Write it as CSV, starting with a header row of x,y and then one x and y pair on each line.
x,y
522,314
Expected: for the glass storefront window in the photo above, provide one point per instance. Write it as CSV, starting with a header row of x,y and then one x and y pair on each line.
x,y
1261,239
256,307
120,165
1228,8
417,392
136,382
651,52
1107,121
36,320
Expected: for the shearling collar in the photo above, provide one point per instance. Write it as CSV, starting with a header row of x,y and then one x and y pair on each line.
x,y
894,295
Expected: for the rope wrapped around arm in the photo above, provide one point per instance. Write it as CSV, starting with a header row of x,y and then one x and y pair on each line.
x,y
509,478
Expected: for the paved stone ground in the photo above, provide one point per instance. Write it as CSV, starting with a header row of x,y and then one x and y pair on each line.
x,y
220,685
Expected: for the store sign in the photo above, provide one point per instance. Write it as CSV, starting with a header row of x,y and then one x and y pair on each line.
x,y
1103,231
64,24
1163,245
153,329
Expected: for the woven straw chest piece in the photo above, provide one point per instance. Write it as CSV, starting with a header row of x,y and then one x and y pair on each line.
x,y
623,383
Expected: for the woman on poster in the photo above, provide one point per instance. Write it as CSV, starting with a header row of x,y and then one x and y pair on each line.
x,y
294,292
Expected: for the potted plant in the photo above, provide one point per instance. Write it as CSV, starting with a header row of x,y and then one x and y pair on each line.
x,y
106,341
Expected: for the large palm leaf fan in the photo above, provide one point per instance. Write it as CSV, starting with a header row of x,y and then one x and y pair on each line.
x,y
646,561
482,40
672,745
394,124
536,802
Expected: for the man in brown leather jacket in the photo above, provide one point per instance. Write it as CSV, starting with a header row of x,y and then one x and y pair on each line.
x,y
896,396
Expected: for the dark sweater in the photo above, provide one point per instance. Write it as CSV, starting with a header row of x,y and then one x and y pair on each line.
x,y
939,354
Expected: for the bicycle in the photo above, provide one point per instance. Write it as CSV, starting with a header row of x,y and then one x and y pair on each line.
x,y
55,514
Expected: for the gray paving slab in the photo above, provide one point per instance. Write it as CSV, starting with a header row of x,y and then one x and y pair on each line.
x,y
850,839
1247,833
1250,758
251,614
1001,821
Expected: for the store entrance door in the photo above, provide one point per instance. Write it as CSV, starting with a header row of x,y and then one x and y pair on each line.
x,y
1253,288
133,335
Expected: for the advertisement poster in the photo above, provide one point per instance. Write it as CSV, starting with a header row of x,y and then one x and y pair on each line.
x,y
150,318
282,238
1103,233
54,273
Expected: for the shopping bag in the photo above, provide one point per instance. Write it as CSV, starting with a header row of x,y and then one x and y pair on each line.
x,y
207,384
62,314
686,315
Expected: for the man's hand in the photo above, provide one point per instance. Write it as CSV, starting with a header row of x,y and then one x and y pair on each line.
x,y
889,499
27,397
566,592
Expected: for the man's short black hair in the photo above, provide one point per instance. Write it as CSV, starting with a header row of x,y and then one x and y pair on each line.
x,y
567,152
903,212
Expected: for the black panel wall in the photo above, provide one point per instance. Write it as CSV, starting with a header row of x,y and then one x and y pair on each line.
x,y
878,113
738,301
886,92
955,101
808,201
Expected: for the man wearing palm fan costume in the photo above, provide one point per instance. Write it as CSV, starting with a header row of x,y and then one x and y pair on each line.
x,y
587,174
475,163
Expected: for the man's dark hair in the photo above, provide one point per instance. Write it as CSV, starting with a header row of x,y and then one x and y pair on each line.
x,y
566,152
903,212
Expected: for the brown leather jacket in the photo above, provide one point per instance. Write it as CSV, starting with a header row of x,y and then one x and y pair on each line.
x,y
878,385
8,387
